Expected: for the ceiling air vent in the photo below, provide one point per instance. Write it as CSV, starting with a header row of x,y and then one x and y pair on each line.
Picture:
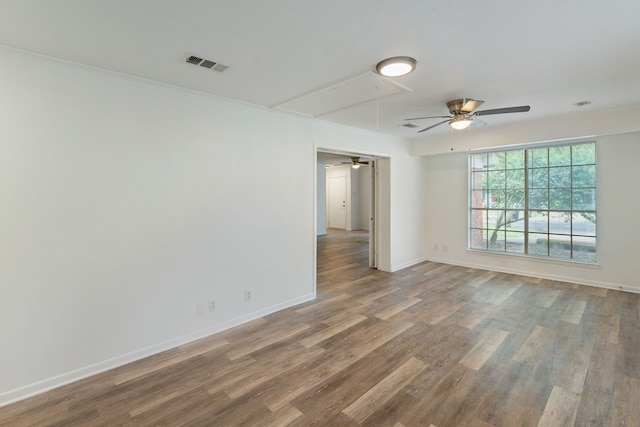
x,y
206,63
194,60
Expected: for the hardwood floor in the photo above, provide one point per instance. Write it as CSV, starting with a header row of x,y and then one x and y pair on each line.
x,y
433,345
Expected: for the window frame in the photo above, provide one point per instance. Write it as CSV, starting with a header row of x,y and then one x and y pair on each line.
x,y
578,243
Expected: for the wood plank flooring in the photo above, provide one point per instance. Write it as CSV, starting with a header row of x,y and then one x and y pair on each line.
x,y
433,345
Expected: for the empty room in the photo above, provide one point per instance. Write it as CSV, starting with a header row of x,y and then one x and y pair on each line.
x,y
294,213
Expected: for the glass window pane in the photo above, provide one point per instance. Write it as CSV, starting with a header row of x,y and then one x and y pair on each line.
x,y
560,155
538,221
560,246
515,220
495,161
495,219
584,154
496,199
560,199
496,180
584,200
560,177
478,239
584,249
539,178
583,176
515,179
583,224
478,180
478,161
514,199
538,157
497,240
515,242
539,199
515,159
478,218
538,244
478,199
560,222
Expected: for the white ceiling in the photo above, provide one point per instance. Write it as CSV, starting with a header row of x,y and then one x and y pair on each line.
x,y
549,54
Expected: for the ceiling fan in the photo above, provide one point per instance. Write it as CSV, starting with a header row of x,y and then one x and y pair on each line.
x,y
355,162
463,115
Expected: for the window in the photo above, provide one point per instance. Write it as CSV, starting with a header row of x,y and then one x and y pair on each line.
x,y
536,201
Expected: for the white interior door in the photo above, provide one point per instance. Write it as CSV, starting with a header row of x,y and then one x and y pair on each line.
x,y
337,190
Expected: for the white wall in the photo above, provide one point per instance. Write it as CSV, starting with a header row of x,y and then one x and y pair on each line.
x,y
446,186
126,203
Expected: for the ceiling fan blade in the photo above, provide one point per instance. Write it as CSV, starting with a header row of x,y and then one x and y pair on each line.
x,y
520,109
470,105
477,123
431,117
437,124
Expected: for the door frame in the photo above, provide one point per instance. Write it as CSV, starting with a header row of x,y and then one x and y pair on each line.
x,y
374,252
381,204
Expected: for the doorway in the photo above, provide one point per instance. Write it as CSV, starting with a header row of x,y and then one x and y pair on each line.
x,y
348,199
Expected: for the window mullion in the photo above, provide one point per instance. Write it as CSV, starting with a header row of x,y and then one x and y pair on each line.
x,y
526,202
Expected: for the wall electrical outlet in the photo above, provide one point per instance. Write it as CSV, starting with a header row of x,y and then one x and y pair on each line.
x,y
212,305
435,247
247,295
444,248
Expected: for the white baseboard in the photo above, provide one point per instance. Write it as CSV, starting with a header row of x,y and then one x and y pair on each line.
x,y
29,390
556,277
408,264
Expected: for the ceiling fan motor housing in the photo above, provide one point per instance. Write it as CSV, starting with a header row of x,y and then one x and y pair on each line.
x,y
463,106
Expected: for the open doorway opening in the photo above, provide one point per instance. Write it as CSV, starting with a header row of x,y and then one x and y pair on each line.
x,y
347,208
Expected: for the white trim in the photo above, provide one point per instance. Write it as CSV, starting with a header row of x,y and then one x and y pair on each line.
x,y
314,223
536,144
408,264
535,274
30,390
540,258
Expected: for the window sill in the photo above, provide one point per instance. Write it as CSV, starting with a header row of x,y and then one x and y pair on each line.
x,y
544,260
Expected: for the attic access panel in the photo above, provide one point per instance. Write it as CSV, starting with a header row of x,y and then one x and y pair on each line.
x,y
358,90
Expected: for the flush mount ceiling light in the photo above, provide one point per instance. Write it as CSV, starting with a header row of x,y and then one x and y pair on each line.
x,y
460,122
396,66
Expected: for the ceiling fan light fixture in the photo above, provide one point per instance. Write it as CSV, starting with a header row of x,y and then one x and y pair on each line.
x,y
396,66
355,166
460,123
